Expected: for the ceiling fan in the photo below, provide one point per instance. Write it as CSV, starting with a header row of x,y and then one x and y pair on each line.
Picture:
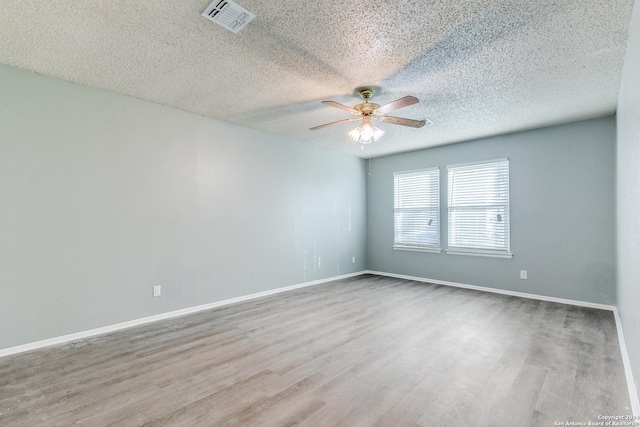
x,y
367,132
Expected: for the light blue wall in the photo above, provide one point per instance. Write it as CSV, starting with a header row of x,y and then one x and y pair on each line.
x,y
628,197
562,213
103,196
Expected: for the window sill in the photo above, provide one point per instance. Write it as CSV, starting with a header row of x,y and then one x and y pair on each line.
x,y
416,249
478,253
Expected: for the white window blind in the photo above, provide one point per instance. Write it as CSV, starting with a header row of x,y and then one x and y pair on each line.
x,y
417,210
478,203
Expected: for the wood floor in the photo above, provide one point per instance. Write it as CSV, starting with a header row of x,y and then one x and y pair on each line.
x,y
367,351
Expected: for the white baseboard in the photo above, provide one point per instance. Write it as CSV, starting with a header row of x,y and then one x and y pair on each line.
x,y
497,291
162,316
633,396
633,393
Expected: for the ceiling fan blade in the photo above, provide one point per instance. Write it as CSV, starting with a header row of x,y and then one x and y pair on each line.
x,y
342,107
353,119
396,105
404,122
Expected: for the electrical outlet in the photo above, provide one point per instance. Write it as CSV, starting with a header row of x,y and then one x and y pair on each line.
x,y
319,262
157,291
353,260
523,274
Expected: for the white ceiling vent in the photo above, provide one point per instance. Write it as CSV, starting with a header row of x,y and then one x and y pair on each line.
x,y
228,14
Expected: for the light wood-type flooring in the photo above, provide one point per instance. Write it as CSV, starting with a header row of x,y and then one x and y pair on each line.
x,y
366,351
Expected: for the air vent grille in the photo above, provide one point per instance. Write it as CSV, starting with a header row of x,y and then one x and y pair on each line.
x,y
228,14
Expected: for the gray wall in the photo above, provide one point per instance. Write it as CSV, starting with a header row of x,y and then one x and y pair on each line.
x,y
628,197
103,196
562,213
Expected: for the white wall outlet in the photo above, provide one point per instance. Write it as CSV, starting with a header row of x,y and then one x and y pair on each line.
x,y
523,274
319,262
353,260
157,291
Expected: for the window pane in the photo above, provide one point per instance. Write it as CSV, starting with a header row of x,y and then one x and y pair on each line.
x,y
417,209
478,204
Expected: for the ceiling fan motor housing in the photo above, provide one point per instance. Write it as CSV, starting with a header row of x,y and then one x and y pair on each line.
x,y
366,108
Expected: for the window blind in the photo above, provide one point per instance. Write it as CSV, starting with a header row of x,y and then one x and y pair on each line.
x,y
417,209
478,205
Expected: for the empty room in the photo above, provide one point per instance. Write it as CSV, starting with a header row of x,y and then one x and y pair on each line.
x,y
320,214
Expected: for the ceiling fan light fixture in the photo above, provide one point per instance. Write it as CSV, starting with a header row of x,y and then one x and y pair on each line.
x,y
366,133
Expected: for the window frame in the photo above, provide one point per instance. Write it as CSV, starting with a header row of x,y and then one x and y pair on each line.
x,y
480,251
397,245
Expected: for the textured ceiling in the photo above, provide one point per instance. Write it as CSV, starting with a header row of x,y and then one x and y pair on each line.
x,y
479,67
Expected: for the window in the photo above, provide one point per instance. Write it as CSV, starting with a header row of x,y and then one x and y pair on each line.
x,y
416,210
478,203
